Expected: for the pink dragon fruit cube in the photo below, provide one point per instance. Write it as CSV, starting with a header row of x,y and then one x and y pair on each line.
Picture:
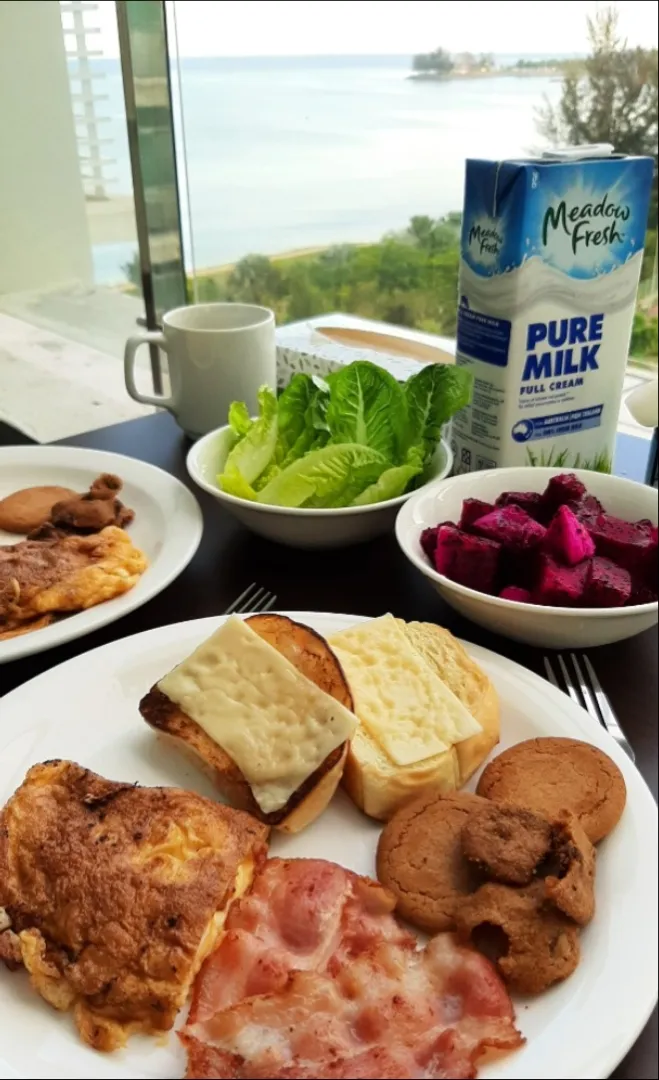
x,y
565,488
567,539
428,541
629,544
651,560
587,510
559,586
642,594
531,501
607,585
472,510
514,592
468,560
511,527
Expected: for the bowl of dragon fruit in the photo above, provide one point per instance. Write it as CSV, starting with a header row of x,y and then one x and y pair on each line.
x,y
550,558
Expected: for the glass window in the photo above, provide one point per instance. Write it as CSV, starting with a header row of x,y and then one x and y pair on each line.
x,y
324,143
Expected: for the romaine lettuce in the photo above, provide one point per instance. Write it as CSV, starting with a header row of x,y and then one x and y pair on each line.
x,y
367,406
433,395
356,438
253,453
332,476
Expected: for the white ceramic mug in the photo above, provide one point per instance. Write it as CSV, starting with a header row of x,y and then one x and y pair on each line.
x,y
217,353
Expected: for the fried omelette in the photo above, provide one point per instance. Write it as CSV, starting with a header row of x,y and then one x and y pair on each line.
x,y
64,574
112,895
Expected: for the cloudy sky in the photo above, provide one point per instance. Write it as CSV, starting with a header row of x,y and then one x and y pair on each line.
x,y
314,27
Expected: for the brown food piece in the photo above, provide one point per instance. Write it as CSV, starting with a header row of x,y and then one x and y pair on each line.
x,y
553,775
532,944
40,577
94,511
570,884
17,629
312,656
27,509
507,843
420,859
114,891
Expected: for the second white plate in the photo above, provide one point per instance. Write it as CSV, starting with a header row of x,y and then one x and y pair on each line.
x,y
168,527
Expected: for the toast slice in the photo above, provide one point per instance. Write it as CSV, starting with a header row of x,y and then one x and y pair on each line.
x,y
375,782
312,657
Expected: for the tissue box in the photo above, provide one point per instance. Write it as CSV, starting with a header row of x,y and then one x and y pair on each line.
x,y
324,345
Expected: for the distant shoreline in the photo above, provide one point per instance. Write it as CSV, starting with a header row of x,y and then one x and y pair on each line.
x,y
499,73
283,256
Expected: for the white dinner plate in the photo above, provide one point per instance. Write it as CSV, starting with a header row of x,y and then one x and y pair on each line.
x,y
168,526
87,710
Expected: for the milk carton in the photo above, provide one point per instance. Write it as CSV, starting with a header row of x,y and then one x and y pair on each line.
x,y
550,263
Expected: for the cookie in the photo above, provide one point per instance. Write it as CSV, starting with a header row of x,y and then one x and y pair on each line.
x,y
570,882
532,944
420,859
552,776
507,843
28,509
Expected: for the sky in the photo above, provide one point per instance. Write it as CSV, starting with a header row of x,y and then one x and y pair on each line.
x,y
326,27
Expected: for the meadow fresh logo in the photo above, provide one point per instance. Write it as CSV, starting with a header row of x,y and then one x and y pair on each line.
x,y
587,224
485,240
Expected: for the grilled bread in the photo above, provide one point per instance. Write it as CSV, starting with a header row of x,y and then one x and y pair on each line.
x,y
387,768
111,895
265,707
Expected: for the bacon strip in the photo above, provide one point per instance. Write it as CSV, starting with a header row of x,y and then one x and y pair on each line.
x,y
316,980
302,915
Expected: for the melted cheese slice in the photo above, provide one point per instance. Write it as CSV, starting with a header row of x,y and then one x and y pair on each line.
x,y
403,704
276,725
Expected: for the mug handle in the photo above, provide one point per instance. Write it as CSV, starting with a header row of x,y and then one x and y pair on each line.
x,y
146,337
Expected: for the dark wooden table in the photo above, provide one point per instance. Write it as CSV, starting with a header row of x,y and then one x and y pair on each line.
x,y
367,580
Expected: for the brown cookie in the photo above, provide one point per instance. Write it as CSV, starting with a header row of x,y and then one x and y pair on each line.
x,y
420,859
28,509
551,776
570,884
532,944
507,843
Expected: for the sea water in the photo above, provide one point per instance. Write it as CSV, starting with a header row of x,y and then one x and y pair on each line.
x,y
551,257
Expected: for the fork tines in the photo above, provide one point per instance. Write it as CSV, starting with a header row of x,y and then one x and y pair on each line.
x,y
254,598
581,682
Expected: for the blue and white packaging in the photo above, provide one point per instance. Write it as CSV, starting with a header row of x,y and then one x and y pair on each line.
x,y
550,263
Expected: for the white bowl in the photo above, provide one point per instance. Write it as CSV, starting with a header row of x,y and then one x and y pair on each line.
x,y
553,627
296,526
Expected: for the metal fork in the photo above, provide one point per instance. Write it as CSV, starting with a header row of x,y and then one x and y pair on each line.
x,y
590,695
254,598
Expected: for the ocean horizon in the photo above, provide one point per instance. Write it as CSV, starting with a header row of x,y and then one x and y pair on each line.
x,y
287,153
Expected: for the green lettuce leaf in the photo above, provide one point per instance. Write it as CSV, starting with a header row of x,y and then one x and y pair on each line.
x,y
392,483
235,484
367,406
433,396
239,418
253,453
331,476
302,418
272,470
294,404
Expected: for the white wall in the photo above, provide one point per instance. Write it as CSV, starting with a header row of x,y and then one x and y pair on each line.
x,y
44,239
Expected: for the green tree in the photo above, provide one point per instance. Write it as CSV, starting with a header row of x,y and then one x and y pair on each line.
x,y
132,270
645,336
611,98
438,62
255,280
